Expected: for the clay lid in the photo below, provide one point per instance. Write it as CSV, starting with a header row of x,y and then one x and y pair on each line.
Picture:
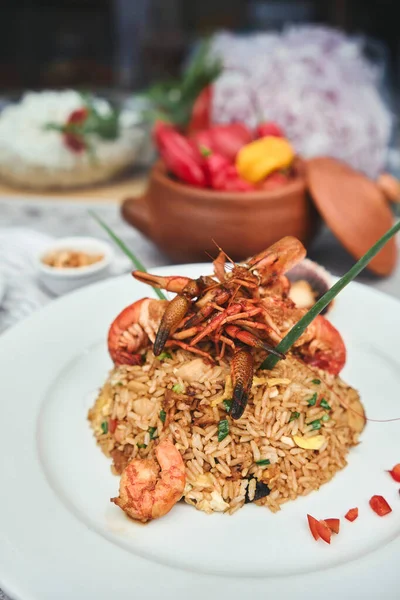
x,y
354,208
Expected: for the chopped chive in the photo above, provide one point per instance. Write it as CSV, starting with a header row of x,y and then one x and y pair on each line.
x,y
104,427
164,355
178,388
324,404
162,415
294,416
298,329
316,381
125,249
142,445
315,424
264,462
313,400
223,429
153,432
228,405
326,418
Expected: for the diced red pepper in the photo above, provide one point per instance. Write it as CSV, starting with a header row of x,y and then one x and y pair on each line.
x,y
380,506
74,142
269,129
324,532
333,524
395,473
313,525
222,175
112,425
351,514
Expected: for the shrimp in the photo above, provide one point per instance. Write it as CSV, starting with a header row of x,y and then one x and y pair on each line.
x,y
144,492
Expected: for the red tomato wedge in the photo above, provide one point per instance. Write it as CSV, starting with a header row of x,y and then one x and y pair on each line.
x,y
324,532
380,506
333,524
313,525
351,514
395,473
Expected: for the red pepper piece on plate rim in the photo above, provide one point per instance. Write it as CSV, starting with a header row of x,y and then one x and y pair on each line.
x,y
351,514
380,506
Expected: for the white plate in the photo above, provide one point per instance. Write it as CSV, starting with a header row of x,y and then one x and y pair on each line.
x,y
2,288
60,537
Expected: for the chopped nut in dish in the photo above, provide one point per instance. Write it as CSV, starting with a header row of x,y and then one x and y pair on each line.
x,y
70,259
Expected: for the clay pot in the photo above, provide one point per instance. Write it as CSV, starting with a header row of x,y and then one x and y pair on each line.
x,y
184,220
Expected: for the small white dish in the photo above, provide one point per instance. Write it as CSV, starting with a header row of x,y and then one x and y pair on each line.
x,y
61,281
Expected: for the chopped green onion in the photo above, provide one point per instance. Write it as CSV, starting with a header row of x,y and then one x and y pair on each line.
x,y
104,427
294,416
324,404
178,388
264,462
162,415
125,250
119,383
326,418
164,355
313,400
316,381
315,424
153,432
142,445
323,302
223,429
228,405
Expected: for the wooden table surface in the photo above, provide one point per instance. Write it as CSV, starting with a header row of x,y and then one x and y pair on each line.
x,y
116,191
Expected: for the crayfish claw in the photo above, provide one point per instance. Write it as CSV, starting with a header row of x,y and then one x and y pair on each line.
x,y
242,367
173,315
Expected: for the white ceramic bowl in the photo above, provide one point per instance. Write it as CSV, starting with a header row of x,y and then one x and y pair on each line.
x,y
62,281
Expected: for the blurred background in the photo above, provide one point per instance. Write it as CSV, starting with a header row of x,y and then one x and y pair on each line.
x,y
122,45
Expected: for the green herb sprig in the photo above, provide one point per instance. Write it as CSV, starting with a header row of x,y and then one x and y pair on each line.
x,y
124,249
323,302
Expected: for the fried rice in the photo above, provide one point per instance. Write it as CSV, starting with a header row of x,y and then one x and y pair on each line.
x,y
294,436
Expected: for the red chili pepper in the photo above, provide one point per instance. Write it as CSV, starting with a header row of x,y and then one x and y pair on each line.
x,y
78,116
333,524
222,175
351,514
224,139
324,532
112,425
395,473
313,525
269,129
274,181
201,111
180,155
74,141
380,506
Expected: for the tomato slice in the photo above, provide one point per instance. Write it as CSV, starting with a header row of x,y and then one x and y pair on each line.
x,y
313,525
333,524
380,506
351,514
324,532
395,473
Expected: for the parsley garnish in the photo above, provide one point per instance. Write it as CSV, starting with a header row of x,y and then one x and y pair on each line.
x,y
324,404
104,427
315,424
162,415
164,355
153,432
316,381
294,416
263,462
313,400
223,429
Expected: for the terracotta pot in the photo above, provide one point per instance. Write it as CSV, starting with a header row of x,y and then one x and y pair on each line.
x,y
184,220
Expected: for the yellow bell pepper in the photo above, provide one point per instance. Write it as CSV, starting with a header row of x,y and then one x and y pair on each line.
x,y
260,158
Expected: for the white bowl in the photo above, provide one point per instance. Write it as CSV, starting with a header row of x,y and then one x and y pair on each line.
x,y
62,281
